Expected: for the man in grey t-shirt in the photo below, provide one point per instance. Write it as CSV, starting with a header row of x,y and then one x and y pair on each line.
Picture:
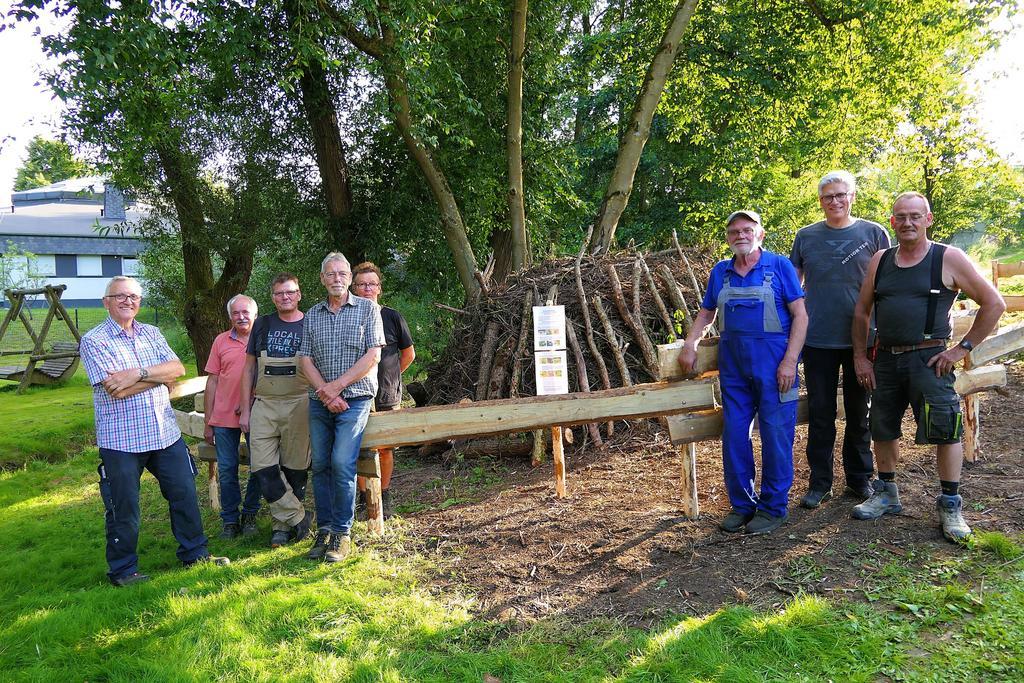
x,y
831,257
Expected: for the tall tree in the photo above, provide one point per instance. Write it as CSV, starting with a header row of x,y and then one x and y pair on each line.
x,y
47,162
520,246
633,139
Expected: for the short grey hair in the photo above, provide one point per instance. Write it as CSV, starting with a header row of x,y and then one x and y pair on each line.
x,y
913,195
334,256
838,177
236,297
121,278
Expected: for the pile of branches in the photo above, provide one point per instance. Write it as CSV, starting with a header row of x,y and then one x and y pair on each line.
x,y
618,307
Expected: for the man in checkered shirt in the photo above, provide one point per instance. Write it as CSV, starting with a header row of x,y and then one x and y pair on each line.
x,y
341,342
128,365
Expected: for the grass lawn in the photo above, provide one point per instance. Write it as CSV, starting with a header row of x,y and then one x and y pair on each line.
x,y
273,615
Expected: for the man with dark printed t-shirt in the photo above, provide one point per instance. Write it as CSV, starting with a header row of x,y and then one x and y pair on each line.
x,y
275,407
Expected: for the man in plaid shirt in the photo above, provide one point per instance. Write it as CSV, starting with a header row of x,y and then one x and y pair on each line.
x,y
341,342
128,364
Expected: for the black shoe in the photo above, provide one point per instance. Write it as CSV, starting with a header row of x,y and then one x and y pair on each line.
x,y
387,502
300,531
815,498
861,490
280,538
207,559
319,548
231,530
248,524
763,523
122,581
735,521
361,507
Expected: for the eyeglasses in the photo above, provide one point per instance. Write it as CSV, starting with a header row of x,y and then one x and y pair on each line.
x,y
367,285
907,217
287,293
838,196
338,275
121,298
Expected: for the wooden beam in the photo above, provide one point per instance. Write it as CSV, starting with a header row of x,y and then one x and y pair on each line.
x,y
1006,342
434,423
980,379
705,425
1014,303
188,387
190,424
1008,269
668,366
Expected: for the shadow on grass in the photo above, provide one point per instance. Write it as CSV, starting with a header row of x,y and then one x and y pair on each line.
x,y
273,615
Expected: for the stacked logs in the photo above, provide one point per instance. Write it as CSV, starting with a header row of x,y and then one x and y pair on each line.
x,y
618,308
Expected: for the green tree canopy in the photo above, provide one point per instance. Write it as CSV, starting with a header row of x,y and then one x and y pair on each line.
x,y
47,162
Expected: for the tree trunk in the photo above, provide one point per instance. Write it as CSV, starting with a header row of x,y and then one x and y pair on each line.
x,y
514,139
205,297
318,103
631,144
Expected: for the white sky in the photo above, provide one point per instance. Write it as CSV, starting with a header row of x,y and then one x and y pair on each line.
x,y
27,109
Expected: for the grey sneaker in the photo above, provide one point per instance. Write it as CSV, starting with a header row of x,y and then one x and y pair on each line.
x,y
763,523
338,548
319,548
231,530
735,521
387,501
884,500
248,524
815,498
951,518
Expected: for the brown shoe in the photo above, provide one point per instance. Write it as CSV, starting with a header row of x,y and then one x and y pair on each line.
x,y
338,548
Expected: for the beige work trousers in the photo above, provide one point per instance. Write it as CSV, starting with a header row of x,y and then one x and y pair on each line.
x,y
279,436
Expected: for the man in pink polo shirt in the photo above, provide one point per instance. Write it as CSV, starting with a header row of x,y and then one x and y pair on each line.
x,y
223,392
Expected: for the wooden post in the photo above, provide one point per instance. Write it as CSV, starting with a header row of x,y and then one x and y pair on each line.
x,y
688,480
558,456
972,426
374,508
368,467
995,274
214,487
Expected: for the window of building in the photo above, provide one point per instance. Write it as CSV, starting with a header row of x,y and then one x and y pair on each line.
x,y
43,265
90,266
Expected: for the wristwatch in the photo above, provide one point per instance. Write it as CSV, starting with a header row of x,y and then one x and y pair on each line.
x,y
143,374
965,344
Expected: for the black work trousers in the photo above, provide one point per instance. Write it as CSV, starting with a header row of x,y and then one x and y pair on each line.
x,y
821,375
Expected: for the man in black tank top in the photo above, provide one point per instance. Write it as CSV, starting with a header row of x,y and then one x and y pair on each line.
x,y
911,288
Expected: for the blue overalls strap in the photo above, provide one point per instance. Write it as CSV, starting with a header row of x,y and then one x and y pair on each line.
x,y
762,292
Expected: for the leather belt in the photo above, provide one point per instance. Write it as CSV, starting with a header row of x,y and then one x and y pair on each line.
x,y
927,344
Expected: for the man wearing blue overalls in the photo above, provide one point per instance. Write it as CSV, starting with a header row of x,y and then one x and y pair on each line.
x,y
758,298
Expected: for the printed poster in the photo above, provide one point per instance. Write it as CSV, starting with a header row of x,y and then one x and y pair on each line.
x,y
548,328
552,372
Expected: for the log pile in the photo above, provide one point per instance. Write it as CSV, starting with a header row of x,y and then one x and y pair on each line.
x,y
618,308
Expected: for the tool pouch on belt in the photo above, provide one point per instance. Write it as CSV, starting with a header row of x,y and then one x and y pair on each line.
x,y
943,422
279,377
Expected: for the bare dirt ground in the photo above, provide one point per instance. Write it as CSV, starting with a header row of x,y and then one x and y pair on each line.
x,y
618,545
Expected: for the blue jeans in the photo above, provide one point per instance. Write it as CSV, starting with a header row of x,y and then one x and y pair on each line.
x,y
226,440
175,471
334,439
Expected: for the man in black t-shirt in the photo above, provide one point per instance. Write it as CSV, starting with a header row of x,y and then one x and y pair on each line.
x,y
275,411
395,357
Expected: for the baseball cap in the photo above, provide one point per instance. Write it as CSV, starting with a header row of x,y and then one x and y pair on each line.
x,y
752,215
